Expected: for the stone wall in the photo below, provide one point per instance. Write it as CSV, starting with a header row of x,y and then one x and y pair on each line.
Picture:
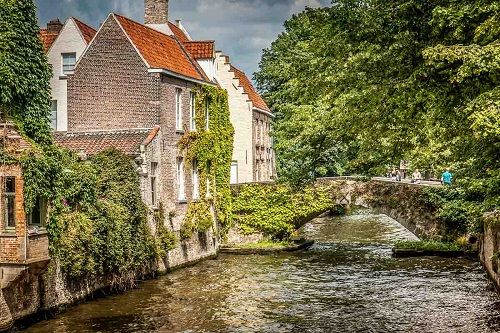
x,y
489,247
5,316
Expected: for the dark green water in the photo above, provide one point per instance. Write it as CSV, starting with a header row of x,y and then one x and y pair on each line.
x,y
347,282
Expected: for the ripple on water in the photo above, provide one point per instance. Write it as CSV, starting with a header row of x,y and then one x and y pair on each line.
x,y
347,282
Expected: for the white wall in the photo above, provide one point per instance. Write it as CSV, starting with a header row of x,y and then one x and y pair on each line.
x,y
208,66
241,118
69,40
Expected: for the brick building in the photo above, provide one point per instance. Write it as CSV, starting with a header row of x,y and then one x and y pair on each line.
x,y
64,45
23,238
253,153
134,88
252,120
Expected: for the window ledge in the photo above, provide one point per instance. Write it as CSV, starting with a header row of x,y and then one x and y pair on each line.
x,y
39,232
8,233
63,77
178,131
182,202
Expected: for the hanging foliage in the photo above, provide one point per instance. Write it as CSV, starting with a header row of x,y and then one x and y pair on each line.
x,y
210,147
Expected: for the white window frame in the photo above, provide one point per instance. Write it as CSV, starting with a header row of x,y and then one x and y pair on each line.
x,y
68,68
181,184
53,114
196,181
207,115
178,109
192,111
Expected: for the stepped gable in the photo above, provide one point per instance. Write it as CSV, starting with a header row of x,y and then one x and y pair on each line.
x,y
161,51
253,95
127,141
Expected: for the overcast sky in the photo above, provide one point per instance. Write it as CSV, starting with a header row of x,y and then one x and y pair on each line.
x,y
241,28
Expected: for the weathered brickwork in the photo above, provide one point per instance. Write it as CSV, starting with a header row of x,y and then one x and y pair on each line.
x,y
156,11
264,160
12,241
111,87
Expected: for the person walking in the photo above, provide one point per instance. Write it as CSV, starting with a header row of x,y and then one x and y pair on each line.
x,y
416,177
446,177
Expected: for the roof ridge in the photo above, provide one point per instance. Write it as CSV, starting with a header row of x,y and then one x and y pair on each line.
x,y
144,26
85,24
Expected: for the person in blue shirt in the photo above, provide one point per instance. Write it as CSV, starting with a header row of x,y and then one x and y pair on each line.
x,y
446,177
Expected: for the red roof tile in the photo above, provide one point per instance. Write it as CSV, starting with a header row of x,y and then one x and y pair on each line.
x,y
48,38
253,95
159,50
127,141
181,35
87,32
201,49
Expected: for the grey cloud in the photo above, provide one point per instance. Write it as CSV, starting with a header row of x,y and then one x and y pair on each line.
x,y
241,28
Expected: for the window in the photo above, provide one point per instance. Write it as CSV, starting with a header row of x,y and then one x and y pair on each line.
x,y
196,181
192,111
154,168
234,172
180,179
207,114
53,115
69,62
38,215
178,109
209,167
10,201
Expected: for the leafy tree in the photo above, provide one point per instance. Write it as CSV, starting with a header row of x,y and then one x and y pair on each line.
x,y
360,85
24,70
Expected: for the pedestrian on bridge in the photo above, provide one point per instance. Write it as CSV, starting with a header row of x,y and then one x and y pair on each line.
x,y
446,178
416,177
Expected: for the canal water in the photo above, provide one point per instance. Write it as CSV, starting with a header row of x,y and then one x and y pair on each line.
x,y
347,282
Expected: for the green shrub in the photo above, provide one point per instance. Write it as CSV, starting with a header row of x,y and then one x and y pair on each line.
x,y
277,210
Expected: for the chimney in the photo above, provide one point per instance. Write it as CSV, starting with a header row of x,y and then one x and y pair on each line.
x,y
155,12
54,26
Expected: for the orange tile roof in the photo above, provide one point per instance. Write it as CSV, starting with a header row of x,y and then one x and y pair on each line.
x,y
126,141
253,95
201,49
48,38
87,31
160,50
181,35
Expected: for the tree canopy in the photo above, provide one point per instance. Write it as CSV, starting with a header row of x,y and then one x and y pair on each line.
x,y
360,85
24,70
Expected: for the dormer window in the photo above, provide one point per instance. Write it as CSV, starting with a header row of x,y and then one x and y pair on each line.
x,y
68,63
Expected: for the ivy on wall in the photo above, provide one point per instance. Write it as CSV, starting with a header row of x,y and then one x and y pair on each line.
x,y
212,151
98,221
277,210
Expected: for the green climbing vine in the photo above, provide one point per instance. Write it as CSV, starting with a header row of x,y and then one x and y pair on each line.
x,y
98,221
211,149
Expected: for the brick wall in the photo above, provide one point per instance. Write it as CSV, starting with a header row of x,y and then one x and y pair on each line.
x,y
170,150
156,11
38,246
12,241
111,87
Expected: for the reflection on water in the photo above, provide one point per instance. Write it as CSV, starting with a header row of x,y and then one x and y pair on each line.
x,y
347,282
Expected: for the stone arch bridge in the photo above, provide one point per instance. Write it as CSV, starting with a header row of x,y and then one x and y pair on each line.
x,y
402,201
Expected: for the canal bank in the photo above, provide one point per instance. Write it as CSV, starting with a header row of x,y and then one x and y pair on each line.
x,y
347,282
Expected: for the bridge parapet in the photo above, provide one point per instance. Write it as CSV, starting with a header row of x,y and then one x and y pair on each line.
x,y
401,201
